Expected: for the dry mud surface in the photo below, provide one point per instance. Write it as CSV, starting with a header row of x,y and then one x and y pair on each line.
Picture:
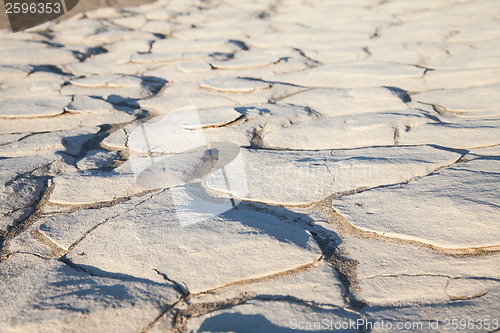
x,y
252,166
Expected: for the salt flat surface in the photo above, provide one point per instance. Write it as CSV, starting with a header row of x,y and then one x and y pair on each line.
x,y
301,177
232,258
231,166
32,107
436,211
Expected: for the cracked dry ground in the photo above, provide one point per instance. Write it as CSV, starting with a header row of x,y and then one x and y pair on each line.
x,y
369,132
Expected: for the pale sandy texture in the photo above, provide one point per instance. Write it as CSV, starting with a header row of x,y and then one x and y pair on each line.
x,y
246,166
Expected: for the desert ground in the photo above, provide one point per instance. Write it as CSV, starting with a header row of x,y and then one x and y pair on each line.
x,y
256,166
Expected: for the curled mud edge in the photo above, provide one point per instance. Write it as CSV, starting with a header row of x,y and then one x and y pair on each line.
x,y
182,310
346,227
24,225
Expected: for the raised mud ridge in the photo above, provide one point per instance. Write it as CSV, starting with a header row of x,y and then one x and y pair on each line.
x,y
368,133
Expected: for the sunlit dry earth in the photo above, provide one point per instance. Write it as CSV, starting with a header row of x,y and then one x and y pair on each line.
x,y
252,167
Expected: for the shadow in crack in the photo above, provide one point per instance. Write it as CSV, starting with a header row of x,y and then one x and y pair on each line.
x,y
238,322
80,269
163,228
89,289
279,223
73,288
152,83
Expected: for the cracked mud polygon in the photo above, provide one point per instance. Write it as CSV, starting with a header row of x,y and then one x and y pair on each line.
x,y
228,166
